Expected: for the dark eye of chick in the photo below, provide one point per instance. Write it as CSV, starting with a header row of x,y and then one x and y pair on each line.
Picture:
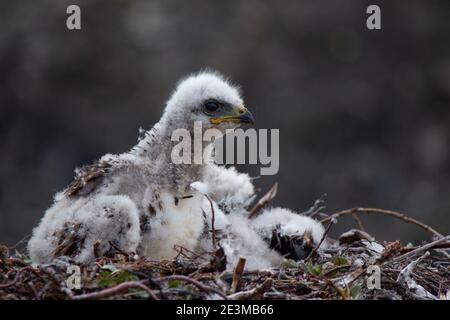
x,y
211,106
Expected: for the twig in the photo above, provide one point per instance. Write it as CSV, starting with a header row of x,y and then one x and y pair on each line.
x,y
196,283
327,230
244,295
316,208
119,250
337,268
23,240
406,272
398,215
238,270
405,278
213,218
358,222
331,284
33,289
194,256
276,295
419,250
114,290
7,285
262,203
335,287
356,274
15,261
16,278
42,291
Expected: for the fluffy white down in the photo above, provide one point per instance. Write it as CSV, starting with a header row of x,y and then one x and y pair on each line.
x,y
109,218
144,184
180,224
196,88
290,224
232,190
238,239
244,241
233,230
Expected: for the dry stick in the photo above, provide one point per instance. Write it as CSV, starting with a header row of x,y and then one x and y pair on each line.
x,y
16,278
244,295
195,256
337,268
119,250
268,197
391,213
6,285
276,295
114,290
23,240
358,273
327,230
329,283
196,283
405,278
443,295
33,289
238,270
418,250
16,261
406,272
42,291
335,287
358,222
213,218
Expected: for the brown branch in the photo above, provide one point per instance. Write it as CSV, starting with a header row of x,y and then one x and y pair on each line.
x,y
425,247
16,261
333,285
327,230
262,203
245,295
213,218
7,285
238,270
42,291
356,274
33,289
192,255
405,278
337,268
16,278
398,215
358,222
196,283
115,290
119,250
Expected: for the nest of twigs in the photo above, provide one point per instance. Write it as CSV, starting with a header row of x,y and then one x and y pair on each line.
x,y
355,266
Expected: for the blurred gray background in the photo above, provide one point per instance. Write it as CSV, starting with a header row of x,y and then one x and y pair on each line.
x,y
364,116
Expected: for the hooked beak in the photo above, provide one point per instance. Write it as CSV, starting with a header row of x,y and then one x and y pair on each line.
x,y
241,115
